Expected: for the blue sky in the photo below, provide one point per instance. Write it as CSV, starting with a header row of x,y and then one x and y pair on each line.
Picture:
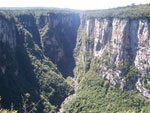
x,y
73,4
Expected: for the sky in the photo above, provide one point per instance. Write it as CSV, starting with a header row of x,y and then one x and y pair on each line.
x,y
73,4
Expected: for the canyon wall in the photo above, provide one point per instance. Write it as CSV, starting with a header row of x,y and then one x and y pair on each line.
x,y
36,55
39,51
117,49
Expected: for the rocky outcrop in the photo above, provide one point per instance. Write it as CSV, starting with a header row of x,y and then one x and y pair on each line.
x,y
120,45
145,92
142,60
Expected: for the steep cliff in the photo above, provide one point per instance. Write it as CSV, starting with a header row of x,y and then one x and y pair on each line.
x,y
58,37
107,55
116,50
28,62
7,31
8,65
120,49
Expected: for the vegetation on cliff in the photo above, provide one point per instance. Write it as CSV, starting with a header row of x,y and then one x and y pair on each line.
x,y
25,69
95,95
34,67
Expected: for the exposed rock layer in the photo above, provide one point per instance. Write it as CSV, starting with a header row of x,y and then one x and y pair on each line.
x,y
120,42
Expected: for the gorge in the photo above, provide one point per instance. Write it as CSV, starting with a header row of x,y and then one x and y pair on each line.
x,y
46,53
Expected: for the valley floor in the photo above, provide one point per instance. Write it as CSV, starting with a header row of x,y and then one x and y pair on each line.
x,y
67,99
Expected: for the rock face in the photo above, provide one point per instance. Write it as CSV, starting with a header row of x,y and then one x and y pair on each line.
x,y
7,32
35,54
117,49
58,36
121,46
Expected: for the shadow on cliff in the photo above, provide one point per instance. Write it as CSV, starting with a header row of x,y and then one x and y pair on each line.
x,y
28,21
67,64
70,49
19,77
132,53
62,40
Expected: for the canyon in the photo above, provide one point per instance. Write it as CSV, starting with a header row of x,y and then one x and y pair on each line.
x,y
40,50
